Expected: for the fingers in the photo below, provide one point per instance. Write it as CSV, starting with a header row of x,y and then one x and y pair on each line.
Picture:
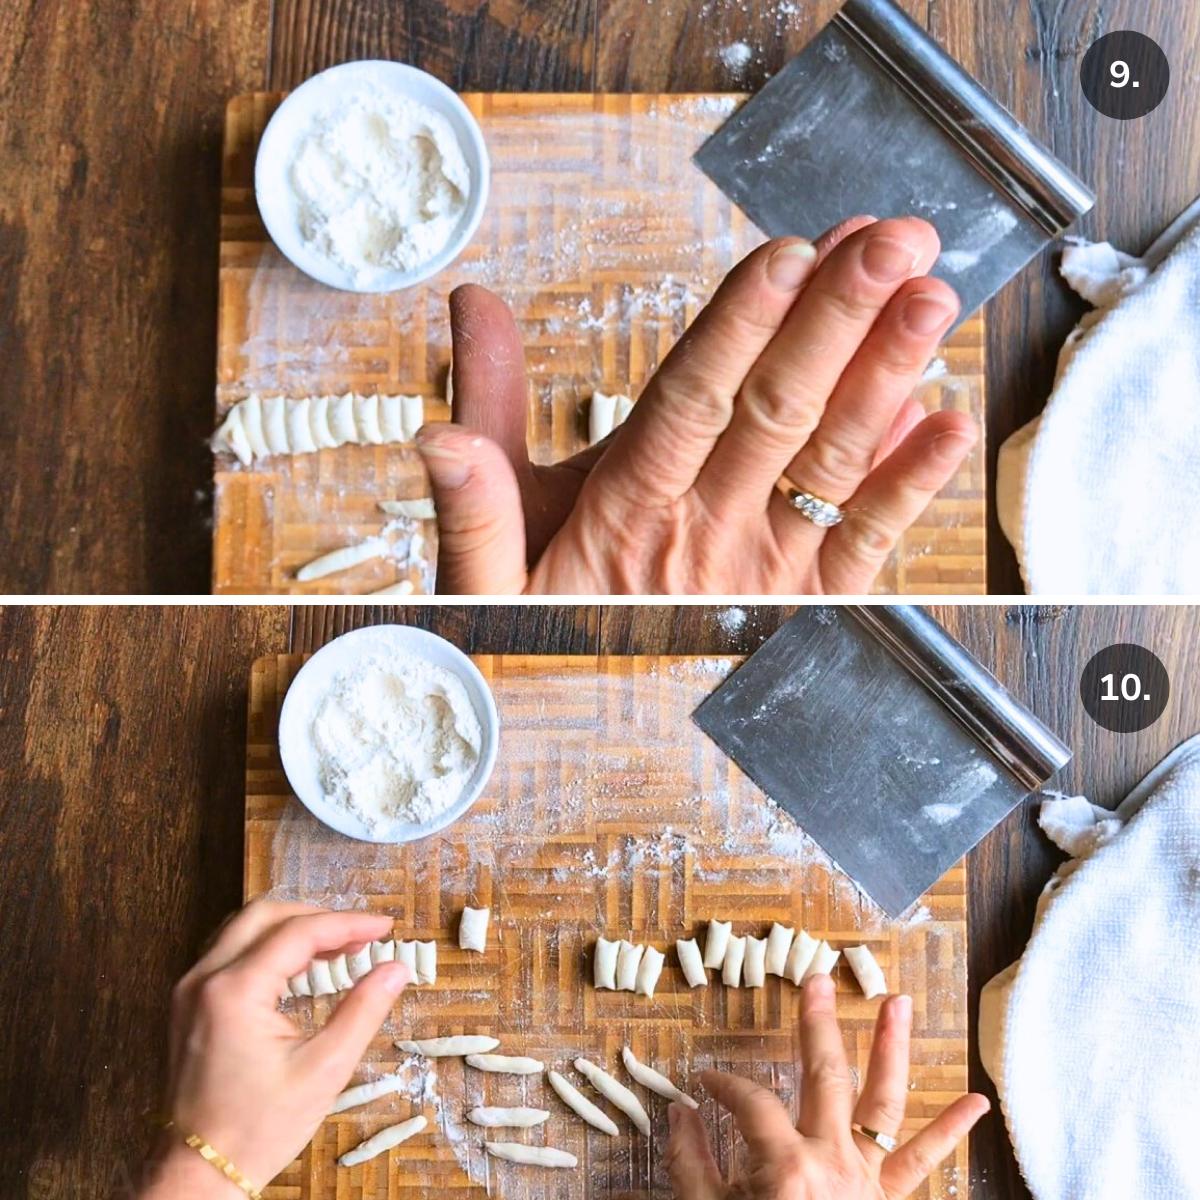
x,y
909,1166
491,393
885,1090
339,1047
291,945
880,377
759,1114
690,1164
481,525
911,414
687,405
784,393
891,498
826,1090
242,930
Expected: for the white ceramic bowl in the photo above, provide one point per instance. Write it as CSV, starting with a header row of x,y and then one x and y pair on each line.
x,y
277,201
300,705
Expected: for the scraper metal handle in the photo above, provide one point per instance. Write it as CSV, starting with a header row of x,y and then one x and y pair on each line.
x,y
1009,731
996,142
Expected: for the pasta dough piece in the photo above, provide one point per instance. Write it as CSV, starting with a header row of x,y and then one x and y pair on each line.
x,y
604,964
580,1105
359,963
259,427
340,973
472,929
605,413
628,958
503,1065
823,961
731,969
867,971
648,1077
343,559
615,1093
320,978
406,952
512,1118
692,963
450,1047
649,971
414,510
717,943
779,942
403,588
299,985
384,1140
364,1093
799,956
427,962
382,952
534,1156
754,973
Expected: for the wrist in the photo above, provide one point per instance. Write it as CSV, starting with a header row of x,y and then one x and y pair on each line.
x,y
179,1173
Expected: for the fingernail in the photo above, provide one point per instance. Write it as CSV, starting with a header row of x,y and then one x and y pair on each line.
x,y
903,1006
926,314
953,445
446,466
790,265
820,985
887,260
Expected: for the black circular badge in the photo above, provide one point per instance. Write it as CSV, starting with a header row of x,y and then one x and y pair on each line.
x,y
1125,75
1125,688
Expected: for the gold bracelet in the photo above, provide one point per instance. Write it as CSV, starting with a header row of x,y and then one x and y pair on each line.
x,y
218,1160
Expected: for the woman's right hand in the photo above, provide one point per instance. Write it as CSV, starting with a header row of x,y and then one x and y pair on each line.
x,y
820,1157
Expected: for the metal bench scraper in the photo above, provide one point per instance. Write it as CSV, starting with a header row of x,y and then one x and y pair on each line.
x,y
874,117
890,745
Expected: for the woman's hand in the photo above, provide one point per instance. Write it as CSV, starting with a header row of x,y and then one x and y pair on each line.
x,y
801,367
241,1074
819,1157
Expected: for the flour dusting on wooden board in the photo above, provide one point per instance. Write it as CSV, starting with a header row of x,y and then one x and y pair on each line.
x,y
609,812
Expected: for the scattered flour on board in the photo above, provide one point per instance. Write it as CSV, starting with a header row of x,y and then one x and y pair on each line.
x,y
732,620
736,57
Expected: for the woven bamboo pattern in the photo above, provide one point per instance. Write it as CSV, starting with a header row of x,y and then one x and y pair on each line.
x,y
605,240
609,813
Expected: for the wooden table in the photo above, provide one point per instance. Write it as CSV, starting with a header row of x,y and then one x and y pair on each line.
x,y
110,129
121,734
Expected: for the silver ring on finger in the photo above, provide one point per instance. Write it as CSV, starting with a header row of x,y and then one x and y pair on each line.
x,y
883,1140
822,513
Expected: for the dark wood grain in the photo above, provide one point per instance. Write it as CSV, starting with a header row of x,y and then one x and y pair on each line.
x,y
110,128
121,734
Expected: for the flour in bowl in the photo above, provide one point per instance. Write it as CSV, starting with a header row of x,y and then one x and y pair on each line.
x,y
396,741
380,182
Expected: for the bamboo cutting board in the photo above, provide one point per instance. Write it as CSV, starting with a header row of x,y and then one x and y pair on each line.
x,y
609,813
604,238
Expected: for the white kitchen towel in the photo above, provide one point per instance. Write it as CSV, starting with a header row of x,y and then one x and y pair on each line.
x,y
1093,1036
1100,494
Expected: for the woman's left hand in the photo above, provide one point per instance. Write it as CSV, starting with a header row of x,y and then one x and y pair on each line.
x,y
241,1074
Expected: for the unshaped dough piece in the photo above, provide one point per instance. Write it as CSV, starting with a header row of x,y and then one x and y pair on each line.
x,y
867,971
779,942
504,1065
615,1093
472,929
359,963
427,962
717,943
340,973
406,952
629,957
823,961
534,1156
800,956
692,963
579,1104
382,952
650,1078
649,971
385,1139
449,1047
604,964
754,973
364,1093
512,1118
731,969
320,978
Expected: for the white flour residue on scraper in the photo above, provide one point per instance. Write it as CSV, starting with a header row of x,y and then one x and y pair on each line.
x,y
989,229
